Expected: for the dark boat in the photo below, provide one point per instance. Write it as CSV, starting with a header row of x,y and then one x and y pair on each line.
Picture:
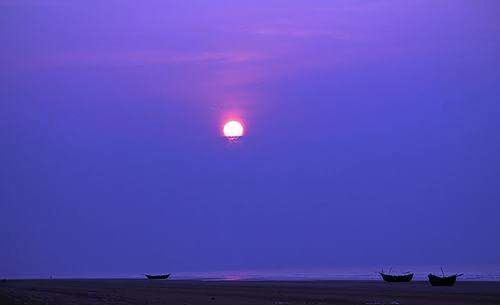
x,y
157,277
407,277
443,280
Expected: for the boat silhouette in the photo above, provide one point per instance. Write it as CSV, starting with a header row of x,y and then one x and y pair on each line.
x,y
391,278
449,280
157,276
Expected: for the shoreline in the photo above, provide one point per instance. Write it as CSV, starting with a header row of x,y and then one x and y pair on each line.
x,y
230,292
215,279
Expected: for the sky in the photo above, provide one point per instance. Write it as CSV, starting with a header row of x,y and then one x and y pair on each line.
x,y
371,135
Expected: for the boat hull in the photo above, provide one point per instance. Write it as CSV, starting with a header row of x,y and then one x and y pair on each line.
x,y
397,278
157,277
442,281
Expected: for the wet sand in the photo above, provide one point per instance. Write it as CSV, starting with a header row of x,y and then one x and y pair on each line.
x,y
172,292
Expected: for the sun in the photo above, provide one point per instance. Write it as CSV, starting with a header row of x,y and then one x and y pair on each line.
x,y
233,129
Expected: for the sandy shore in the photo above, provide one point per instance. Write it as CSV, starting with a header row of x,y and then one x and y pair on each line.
x,y
62,292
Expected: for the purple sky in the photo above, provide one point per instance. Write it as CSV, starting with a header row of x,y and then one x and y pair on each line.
x,y
372,135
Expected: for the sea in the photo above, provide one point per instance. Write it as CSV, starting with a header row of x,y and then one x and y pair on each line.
x,y
470,273
484,273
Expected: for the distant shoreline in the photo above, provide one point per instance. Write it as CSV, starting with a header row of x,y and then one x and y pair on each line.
x,y
198,292
256,280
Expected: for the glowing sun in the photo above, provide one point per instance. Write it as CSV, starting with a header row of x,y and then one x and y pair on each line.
x,y
233,129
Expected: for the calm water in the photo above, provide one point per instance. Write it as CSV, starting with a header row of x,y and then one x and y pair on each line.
x,y
482,273
470,274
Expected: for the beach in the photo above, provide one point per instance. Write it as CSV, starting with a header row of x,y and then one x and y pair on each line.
x,y
187,292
